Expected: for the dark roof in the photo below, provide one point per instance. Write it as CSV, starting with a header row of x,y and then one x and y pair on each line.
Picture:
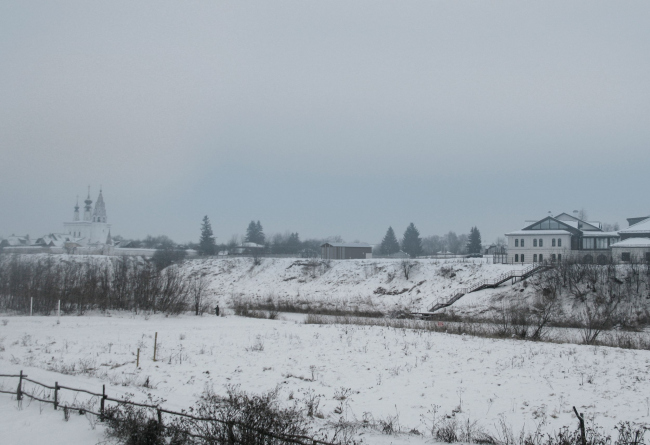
x,y
560,225
636,220
346,245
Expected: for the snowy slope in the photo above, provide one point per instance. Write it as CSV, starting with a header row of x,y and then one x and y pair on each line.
x,y
375,284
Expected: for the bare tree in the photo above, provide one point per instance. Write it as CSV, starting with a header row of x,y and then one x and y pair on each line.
x,y
198,288
547,307
598,314
407,266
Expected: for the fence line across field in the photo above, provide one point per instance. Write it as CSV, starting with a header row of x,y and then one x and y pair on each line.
x,y
19,393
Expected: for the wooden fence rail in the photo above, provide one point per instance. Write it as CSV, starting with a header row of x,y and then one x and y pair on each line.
x,y
19,393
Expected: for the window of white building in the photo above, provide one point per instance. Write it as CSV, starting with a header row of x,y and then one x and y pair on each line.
x,y
588,243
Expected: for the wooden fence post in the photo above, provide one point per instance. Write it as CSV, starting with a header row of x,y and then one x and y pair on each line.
x,y
581,418
155,345
101,407
159,417
56,395
19,391
137,360
31,306
231,435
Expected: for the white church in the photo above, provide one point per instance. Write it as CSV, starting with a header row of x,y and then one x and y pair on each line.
x,y
93,229
90,235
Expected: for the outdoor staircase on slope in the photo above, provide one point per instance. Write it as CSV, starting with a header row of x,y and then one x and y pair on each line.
x,y
522,274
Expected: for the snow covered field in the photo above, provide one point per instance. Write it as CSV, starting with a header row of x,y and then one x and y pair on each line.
x,y
410,378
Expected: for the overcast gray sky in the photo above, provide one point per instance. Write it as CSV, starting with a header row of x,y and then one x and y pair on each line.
x,y
337,117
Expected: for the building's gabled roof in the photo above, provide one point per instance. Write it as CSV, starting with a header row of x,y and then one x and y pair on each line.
x,y
124,243
636,219
581,224
640,227
346,245
633,242
551,223
14,240
54,240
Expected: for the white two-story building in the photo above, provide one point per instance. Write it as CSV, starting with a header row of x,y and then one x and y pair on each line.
x,y
557,238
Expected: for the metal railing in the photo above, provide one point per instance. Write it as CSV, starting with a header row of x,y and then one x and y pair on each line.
x,y
494,282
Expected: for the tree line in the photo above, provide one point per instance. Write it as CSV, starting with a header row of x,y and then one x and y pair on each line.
x,y
124,283
413,245
290,243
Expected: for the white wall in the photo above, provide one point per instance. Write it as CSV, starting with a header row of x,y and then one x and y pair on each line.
x,y
637,254
546,251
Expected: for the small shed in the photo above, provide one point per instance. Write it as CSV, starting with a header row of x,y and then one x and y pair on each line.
x,y
346,251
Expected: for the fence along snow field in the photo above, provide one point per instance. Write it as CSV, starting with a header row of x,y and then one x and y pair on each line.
x,y
234,431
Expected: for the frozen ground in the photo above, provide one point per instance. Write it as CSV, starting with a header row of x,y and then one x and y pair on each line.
x,y
384,374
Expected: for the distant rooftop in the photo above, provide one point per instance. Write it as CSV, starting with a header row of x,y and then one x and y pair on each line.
x,y
346,245
639,227
633,242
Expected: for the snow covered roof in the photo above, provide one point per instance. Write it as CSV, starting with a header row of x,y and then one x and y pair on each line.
x,y
538,232
346,245
578,223
633,242
251,245
643,226
54,240
600,234
14,240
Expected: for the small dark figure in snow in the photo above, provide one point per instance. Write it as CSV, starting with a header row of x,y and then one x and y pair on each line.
x,y
216,310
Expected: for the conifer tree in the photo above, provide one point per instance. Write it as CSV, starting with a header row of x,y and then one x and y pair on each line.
x,y
474,242
389,244
260,233
207,244
255,233
293,243
411,242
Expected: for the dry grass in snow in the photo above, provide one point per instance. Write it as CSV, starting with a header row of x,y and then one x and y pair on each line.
x,y
410,380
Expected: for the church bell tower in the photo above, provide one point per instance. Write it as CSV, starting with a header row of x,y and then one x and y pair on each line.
x,y
88,208
76,211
